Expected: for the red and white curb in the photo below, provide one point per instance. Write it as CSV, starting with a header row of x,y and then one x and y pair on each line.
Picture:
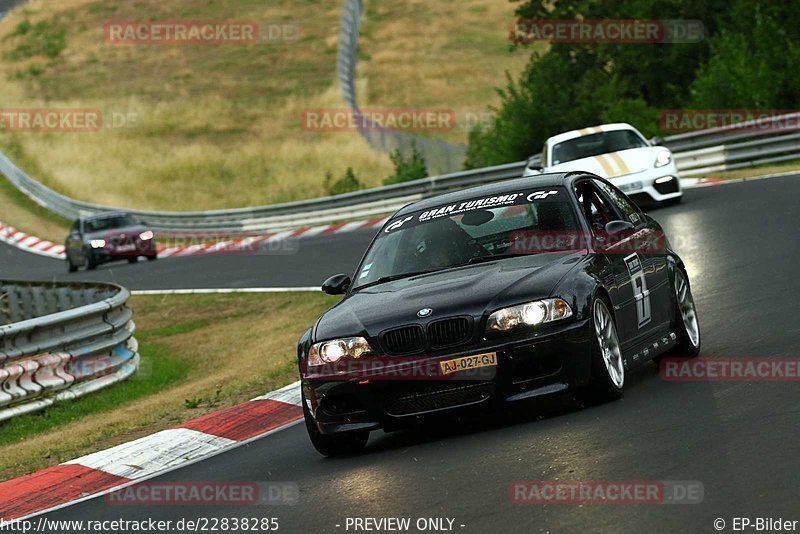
x,y
692,183
254,243
29,243
101,472
195,245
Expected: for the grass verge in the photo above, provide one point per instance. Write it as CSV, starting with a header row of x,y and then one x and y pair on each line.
x,y
20,211
761,170
215,351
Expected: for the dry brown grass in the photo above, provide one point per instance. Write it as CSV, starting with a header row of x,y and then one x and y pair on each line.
x,y
448,53
219,126
247,348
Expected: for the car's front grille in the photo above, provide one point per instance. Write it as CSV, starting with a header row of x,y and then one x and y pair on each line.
x,y
404,340
434,396
449,332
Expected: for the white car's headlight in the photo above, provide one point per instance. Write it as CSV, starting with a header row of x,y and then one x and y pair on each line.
x,y
146,235
334,350
532,313
663,157
97,243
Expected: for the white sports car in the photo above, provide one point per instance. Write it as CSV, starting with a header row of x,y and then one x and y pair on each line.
x,y
618,152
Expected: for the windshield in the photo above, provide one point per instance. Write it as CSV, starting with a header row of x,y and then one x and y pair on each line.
x,y
455,234
109,223
587,146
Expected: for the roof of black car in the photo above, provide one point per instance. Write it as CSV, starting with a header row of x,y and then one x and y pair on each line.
x,y
106,215
543,180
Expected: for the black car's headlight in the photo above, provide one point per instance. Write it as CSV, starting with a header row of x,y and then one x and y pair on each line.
x,y
334,350
530,314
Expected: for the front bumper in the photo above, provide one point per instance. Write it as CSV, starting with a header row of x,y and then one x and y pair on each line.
x,y
542,364
131,250
660,184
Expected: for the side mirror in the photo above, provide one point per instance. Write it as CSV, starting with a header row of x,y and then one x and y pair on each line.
x,y
337,284
535,167
615,227
657,141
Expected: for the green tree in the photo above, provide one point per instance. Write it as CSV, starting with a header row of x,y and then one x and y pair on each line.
x,y
347,183
575,85
754,62
407,169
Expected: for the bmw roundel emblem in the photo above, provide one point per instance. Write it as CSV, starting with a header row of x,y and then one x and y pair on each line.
x,y
424,312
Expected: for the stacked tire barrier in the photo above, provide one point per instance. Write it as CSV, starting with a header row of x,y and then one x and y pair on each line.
x,y
60,341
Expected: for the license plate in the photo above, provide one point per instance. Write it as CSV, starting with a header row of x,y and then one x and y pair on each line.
x,y
465,363
635,186
126,248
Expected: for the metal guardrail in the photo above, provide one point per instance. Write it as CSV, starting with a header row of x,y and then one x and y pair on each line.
x,y
440,156
61,341
696,154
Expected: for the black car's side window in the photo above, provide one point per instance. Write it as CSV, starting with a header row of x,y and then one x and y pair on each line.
x,y
596,209
623,204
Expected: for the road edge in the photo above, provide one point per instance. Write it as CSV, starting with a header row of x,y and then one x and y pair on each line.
x,y
102,472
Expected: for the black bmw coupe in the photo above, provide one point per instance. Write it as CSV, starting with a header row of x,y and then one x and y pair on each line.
x,y
494,294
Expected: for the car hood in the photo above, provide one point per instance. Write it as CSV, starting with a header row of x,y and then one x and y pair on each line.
x,y
613,164
124,233
470,290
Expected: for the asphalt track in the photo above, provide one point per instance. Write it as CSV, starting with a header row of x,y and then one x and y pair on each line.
x,y
739,440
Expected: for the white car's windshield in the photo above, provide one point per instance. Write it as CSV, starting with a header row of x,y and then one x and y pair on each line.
x,y
467,231
590,145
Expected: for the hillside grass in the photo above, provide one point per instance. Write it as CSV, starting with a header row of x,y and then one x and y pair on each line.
x,y
220,126
247,347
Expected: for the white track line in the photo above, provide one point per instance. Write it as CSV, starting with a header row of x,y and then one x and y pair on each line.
x,y
223,290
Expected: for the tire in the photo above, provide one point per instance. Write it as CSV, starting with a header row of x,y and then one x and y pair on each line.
x,y
70,267
608,370
673,201
133,260
687,326
342,444
90,263
152,258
